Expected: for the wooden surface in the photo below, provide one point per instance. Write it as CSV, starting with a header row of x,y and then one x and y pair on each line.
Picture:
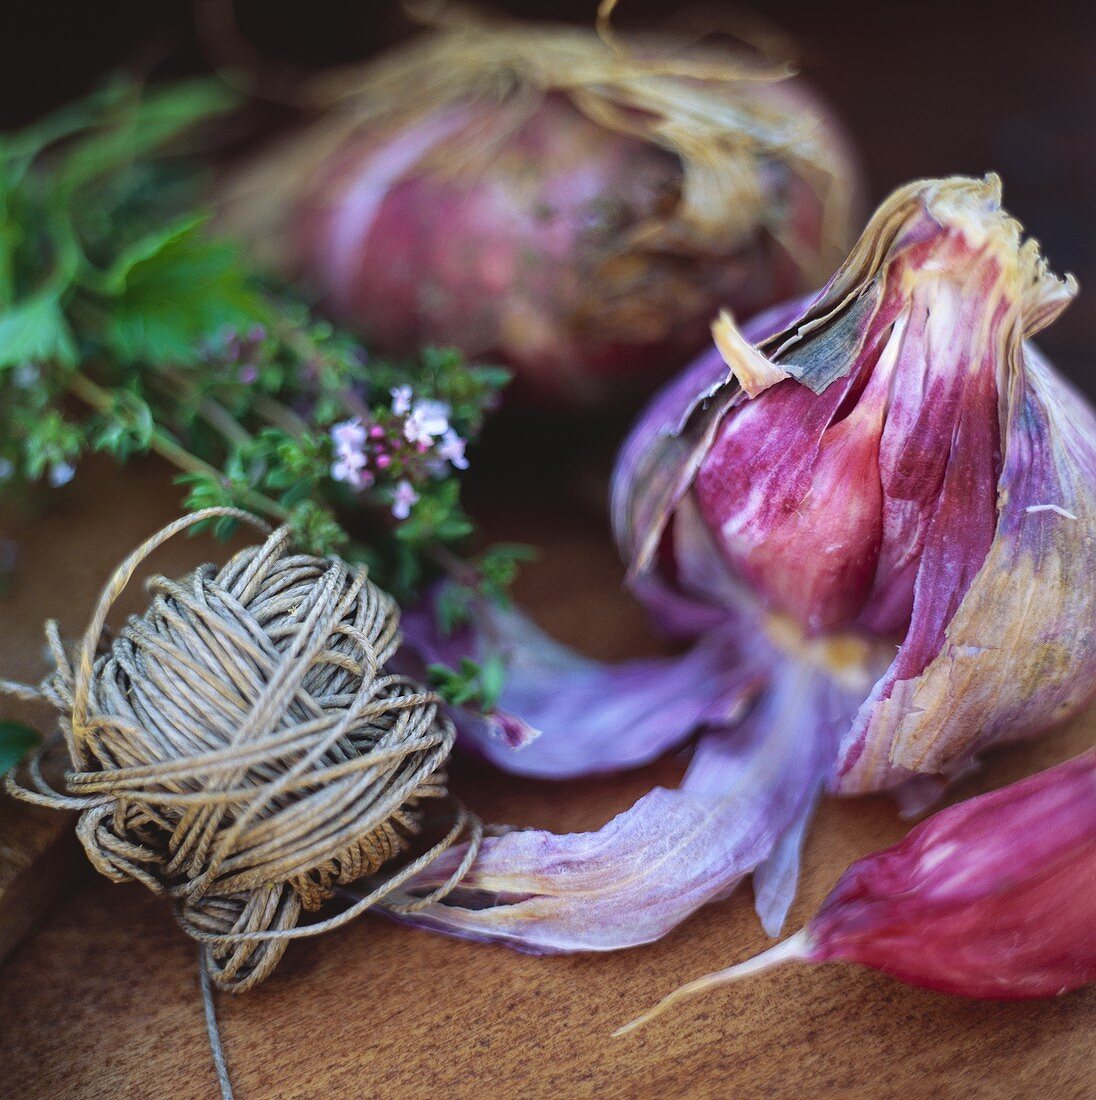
x,y
40,861
101,1000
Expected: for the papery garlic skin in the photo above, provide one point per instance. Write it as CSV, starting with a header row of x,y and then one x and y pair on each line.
x,y
909,470
1019,653
947,461
742,808
561,715
533,196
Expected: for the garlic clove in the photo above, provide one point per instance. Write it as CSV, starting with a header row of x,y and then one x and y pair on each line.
x,y
658,459
1019,653
992,898
920,476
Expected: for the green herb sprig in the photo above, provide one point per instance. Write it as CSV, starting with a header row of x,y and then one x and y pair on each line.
x,y
127,325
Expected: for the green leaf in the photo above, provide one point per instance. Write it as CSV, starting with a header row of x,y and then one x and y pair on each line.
x,y
184,288
498,566
315,529
140,124
455,687
49,442
471,685
115,279
36,331
453,607
16,740
125,428
12,235
492,679
491,377
437,517
204,491
19,150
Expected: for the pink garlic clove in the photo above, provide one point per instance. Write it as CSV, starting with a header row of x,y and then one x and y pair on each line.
x,y
992,898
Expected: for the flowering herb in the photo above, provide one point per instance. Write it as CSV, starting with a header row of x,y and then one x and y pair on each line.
x,y
127,326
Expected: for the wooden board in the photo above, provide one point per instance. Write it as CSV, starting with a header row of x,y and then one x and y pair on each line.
x,y
101,1000
39,862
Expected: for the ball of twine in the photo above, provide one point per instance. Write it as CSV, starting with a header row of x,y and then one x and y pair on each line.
x,y
241,747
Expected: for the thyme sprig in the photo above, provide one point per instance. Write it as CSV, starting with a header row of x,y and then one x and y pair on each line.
x,y
128,326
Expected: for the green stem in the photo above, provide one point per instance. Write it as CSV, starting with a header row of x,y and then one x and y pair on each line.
x,y
279,416
212,412
454,566
304,347
169,448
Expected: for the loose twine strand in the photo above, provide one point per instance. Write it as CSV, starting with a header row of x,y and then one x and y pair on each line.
x,y
240,748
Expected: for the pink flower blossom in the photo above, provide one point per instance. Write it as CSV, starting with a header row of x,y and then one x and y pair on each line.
x,y
429,420
401,399
349,436
349,467
451,448
26,376
61,473
404,498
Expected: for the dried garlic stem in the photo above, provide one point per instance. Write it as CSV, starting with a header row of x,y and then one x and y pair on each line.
x,y
796,947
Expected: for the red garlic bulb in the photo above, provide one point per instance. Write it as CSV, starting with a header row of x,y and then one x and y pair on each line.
x,y
541,197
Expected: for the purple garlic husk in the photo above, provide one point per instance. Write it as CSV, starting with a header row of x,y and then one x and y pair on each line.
x,y
877,506
911,476
749,791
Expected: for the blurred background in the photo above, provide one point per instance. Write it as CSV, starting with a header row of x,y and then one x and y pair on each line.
x,y
925,89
